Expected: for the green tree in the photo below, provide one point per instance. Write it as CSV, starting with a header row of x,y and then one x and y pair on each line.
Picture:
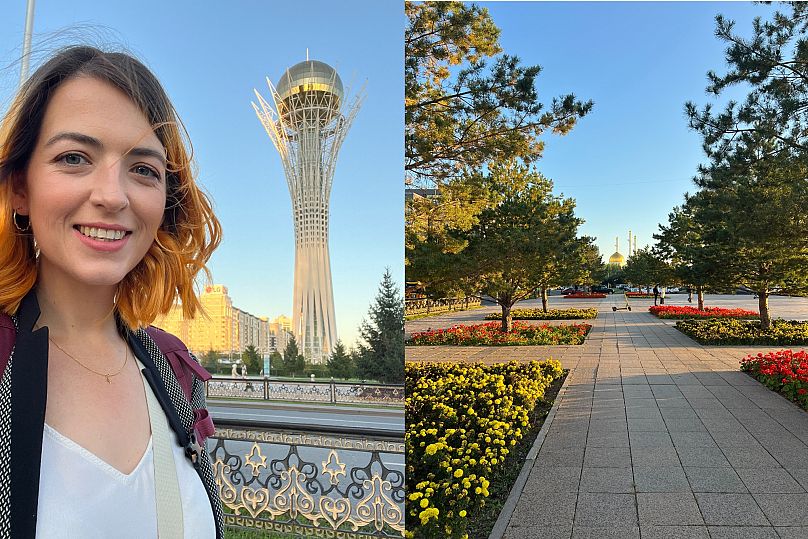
x,y
381,354
210,360
773,65
252,360
524,241
644,268
466,103
752,192
695,263
340,363
293,363
461,112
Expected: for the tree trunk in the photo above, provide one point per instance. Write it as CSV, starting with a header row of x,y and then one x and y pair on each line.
x,y
507,318
763,306
700,295
544,298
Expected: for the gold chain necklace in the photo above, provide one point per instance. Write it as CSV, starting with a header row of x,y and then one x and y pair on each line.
x,y
105,375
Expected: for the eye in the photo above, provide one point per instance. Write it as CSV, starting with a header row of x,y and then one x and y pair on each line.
x,y
72,159
143,170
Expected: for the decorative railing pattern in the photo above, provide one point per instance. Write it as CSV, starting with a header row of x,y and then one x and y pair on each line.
x,y
414,307
308,484
305,391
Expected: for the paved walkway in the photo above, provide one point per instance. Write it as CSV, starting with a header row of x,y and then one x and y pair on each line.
x,y
658,437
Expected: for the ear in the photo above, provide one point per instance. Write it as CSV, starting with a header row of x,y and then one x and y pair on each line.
x,y
19,199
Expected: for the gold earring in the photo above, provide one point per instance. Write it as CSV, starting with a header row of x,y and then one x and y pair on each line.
x,y
17,225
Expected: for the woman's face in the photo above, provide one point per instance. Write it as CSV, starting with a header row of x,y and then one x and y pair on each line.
x,y
95,187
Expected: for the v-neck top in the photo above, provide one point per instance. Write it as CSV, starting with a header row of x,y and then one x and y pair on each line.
x,y
82,496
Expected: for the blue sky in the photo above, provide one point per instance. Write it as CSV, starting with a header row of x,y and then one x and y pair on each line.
x,y
210,56
629,162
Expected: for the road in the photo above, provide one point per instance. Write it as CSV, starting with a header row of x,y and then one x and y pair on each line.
x,y
316,417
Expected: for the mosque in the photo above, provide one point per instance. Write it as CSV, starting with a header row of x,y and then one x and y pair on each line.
x,y
617,261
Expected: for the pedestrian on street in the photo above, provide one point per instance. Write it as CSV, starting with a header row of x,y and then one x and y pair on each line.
x,y
656,294
689,295
662,294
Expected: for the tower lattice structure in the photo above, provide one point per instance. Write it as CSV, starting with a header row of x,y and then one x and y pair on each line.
x,y
307,120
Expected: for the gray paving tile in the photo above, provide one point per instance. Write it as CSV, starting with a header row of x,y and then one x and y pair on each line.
x,y
701,456
598,509
673,509
792,532
545,508
723,509
535,530
646,424
616,480
615,532
654,456
749,457
675,532
784,509
721,479
769,480
640,439
662,479
607,457
739,532
555,479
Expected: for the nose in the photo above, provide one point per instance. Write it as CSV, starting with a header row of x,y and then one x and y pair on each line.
x,y
109,188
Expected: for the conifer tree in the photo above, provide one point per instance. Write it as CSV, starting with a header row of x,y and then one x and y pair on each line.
x,y
381,355
340,363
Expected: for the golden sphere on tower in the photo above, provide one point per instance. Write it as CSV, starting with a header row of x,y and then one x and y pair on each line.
x,y
617,260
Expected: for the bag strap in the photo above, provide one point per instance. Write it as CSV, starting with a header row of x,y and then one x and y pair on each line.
x,y
8,334
167,490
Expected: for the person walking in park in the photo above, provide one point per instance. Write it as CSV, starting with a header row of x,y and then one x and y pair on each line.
x,y
689,294
656,293
662,294
102,229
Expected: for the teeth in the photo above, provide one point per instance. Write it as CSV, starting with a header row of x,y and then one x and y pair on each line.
x,y
101,233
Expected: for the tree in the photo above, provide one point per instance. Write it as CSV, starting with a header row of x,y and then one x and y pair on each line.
x,y
460,112
465,104
293,363
524,241
381,354
340,363
645,268
695,262
773,63
210,360
753,191
252,360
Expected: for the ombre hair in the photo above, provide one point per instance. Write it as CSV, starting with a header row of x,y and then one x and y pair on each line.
x,y
189,232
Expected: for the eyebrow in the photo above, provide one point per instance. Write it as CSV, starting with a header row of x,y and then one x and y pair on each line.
x,y
95,143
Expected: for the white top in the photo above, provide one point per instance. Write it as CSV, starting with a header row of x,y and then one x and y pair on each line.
x,y
81,496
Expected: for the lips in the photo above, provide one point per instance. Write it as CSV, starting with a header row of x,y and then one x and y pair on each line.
x,y
108,233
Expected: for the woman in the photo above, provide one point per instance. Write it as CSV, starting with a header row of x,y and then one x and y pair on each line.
x,y
102,228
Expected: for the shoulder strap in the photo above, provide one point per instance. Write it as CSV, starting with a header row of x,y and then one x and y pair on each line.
x,y
8,334
183,365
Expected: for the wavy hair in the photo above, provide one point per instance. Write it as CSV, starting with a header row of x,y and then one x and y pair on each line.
x,y
189,232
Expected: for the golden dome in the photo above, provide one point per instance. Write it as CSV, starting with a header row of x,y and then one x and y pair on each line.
x,y
617,260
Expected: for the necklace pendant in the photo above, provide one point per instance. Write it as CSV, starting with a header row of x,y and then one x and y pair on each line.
x,y
107,377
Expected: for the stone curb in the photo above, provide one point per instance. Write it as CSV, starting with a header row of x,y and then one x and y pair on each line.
x,y
519,485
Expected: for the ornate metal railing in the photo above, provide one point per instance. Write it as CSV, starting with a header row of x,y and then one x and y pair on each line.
x,y
310,484
414,307
305,391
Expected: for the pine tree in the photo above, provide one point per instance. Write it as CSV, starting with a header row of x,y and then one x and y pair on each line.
x,y
381,356
293,362
340,363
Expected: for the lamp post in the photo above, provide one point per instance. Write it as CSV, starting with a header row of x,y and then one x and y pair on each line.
x,y
26,41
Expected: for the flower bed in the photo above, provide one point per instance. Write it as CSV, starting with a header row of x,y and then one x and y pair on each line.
x,y
584,295
731,331
462,422
785,372
491,334
551,314
639,295
684,312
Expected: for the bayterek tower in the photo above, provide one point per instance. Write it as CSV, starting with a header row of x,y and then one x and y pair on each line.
x,y
307,120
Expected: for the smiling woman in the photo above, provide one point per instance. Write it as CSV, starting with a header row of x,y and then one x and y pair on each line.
x,y
102,228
